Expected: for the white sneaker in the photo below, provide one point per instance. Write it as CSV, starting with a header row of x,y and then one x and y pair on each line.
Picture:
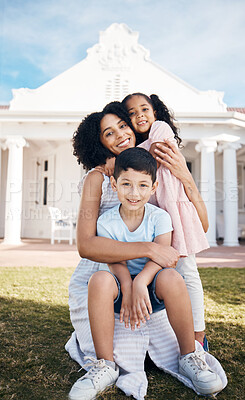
x,y
97,379
194,367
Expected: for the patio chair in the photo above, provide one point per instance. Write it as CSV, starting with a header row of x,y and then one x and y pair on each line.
x,y
60,224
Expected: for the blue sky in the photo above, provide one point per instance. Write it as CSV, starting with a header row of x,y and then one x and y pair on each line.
x,y
201,41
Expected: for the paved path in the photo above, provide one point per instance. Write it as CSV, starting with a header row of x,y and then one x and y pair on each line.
x,y
34,252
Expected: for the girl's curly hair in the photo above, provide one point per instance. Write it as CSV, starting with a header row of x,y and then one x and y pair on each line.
x,y
87,146
162,112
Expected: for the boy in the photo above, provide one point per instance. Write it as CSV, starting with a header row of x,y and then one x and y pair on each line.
x,y
136,288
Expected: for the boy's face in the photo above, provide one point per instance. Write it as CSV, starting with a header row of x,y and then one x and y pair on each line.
x,y
134,189
141,114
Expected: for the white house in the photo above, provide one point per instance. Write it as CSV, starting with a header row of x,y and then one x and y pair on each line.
x,y
37,165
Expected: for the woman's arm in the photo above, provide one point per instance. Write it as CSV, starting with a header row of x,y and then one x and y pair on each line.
x,y
107,250
170,157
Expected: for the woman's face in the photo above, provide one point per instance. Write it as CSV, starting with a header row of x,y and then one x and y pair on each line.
x,y
115,134
141,114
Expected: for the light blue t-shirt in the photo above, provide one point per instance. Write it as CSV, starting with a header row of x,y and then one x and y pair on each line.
x,y
155,222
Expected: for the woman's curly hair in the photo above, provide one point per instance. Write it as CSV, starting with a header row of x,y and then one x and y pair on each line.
x,y
87,146
162,112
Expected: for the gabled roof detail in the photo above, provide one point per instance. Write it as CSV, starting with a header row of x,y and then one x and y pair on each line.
x,y
116,46
114,67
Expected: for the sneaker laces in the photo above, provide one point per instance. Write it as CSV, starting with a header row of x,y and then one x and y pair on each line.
x,y
96,365
198,362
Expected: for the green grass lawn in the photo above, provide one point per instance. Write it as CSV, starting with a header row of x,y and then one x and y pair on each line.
x,y
35,326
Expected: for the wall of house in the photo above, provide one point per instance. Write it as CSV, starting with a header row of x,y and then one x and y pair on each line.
x,y
3,179
63,175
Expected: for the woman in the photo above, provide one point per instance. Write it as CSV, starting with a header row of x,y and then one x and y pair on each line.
x,y
97,196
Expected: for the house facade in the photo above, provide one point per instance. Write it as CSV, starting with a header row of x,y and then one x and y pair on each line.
x,y
39,170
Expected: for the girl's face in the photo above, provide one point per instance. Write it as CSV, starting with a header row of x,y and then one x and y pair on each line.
x,y
115,134
141,114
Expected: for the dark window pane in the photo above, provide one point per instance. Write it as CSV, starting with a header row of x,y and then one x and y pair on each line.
x,y
189,165
45,191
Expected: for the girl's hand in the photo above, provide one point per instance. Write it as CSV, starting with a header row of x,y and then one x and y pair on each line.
x,y
170,157
100,168
109,166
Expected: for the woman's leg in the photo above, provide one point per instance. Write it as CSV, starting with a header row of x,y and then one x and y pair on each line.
x,y
170,287
102,291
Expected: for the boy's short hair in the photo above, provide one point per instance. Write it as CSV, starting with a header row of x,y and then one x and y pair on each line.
x,y
138,159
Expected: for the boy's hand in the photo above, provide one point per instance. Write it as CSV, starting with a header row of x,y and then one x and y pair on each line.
x,y
126,307
141,305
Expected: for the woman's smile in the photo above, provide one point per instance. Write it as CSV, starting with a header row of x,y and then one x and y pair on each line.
x,y
124,143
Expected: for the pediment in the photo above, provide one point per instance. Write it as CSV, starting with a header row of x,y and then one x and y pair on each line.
x,y
115,66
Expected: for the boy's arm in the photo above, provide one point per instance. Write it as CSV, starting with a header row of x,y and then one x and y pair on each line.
x,y
141,304
120,270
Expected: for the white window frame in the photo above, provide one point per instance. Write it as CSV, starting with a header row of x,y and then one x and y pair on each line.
x,y
241,186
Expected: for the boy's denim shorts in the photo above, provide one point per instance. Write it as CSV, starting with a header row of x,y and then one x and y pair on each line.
x,y
157,304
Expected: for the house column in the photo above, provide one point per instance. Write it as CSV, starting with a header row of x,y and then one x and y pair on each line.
x,y
13,205
230,188
207,184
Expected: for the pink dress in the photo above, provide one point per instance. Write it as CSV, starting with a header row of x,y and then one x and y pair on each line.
x,y
188,235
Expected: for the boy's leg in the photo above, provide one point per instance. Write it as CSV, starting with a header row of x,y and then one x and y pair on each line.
x,y
102,291
170,287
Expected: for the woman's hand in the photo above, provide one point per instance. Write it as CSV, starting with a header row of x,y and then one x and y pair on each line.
x,y
165,256
170,157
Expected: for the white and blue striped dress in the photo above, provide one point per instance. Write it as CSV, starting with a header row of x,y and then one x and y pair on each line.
x,y
156,337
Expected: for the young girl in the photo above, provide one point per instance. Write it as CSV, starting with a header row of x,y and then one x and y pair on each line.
x,y
152,120
129,347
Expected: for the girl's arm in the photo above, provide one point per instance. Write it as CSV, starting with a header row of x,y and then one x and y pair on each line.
x,y
170,157
107,250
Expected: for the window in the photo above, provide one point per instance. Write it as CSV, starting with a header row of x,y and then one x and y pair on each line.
x,y
189,166
45,190
45,182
